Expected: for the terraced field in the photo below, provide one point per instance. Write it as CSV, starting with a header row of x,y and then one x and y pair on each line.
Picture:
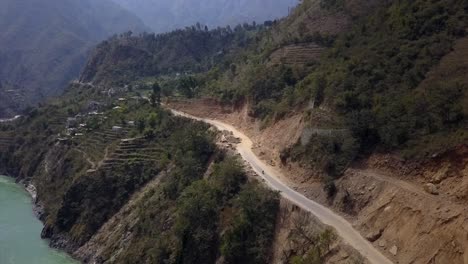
x,y
134,150
97,144
296,54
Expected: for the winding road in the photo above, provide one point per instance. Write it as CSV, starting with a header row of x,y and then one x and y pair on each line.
x,y
271,176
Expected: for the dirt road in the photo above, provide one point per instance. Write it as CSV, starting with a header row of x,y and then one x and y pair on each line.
x,y
271,176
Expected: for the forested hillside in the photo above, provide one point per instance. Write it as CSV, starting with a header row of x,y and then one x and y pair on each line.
x,y
166,15
195,49
366,65
43,45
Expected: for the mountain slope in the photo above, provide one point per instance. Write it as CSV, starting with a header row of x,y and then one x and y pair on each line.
x,y
43,44
364,107
124,58
159,192
168,15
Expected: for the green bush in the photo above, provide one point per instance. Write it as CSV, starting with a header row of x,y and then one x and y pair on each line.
x,y
196,224
248,238
330,153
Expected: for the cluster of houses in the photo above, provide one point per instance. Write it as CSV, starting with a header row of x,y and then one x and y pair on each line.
x,y
78,125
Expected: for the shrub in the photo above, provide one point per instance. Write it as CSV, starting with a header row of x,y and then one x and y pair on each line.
x,y
248,238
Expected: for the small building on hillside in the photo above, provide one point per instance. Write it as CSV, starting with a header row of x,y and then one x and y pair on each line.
x,y
72,122
117,129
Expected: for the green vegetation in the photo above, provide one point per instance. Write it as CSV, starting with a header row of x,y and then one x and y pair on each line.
x,y
221,215
179,52
375,86
194,214
319,246
312,245
330,153
248,236
198,205
332,4
370,76
89,199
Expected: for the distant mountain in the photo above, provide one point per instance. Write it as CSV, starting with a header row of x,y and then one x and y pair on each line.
x,y
166,15
43,44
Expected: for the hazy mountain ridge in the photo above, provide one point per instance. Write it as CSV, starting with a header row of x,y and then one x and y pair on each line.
x,y
43,44
167,15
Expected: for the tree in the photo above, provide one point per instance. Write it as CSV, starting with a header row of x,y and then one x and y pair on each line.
x,y
149,133
196,224
141,124
153,120
302,29
187,86
233,68
247,239
155,96
228,176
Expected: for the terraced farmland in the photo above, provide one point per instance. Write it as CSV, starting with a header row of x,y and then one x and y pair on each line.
x,y
97,144
132,150
296,54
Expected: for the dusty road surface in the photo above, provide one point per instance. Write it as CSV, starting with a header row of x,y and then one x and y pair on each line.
x,y
271,176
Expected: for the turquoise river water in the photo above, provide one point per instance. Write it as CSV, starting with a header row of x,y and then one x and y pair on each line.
x,y
20,230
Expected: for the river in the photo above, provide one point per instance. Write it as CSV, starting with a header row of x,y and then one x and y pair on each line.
x,y
20,230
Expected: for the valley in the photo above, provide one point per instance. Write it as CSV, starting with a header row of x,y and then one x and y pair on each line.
x,y
337,134
44,46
